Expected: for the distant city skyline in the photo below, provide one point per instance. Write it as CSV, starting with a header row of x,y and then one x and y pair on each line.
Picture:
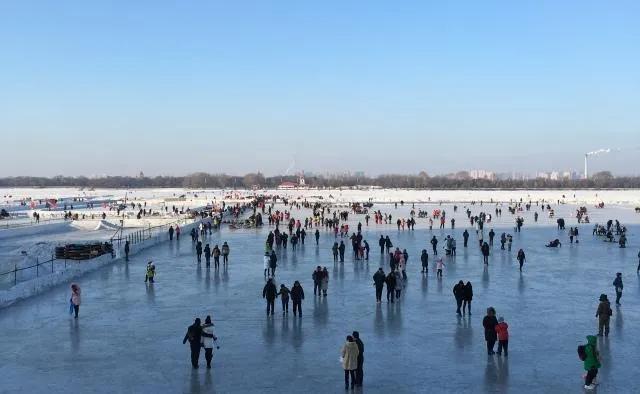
x,y
224,87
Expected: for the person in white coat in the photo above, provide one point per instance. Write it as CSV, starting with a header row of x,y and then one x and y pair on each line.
x,y
349,359
266,260
208,341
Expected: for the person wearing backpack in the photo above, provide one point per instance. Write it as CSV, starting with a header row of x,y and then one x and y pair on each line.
x,y
591,361
603,314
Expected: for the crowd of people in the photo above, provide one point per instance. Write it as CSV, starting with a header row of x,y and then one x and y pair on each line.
x,y
334,223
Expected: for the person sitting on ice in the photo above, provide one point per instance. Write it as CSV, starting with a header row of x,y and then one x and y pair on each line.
x,y
554,244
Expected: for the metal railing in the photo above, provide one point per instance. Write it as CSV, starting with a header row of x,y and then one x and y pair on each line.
x,y
135,237
37,266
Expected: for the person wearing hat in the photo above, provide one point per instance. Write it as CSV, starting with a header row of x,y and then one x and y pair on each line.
x,y
603,314
208,339
617,283
502,329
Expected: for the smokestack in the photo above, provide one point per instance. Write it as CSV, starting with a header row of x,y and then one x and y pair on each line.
x,y
586,173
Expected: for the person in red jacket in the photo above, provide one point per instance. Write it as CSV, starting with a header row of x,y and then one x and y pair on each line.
x,y
502,329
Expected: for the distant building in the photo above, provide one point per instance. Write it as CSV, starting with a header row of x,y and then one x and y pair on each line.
x,y
292,185
482,174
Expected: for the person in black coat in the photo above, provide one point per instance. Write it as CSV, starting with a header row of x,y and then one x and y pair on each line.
x,y
126,250
424,258
359,371
489,323
381,242
207,255
378,280
199,251
297,295
467,296
341,249
485,252
269,292
273,263
458,293
194,336
390,280
434,245
465,236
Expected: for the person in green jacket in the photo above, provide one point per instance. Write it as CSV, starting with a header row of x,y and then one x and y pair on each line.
x,y
591,362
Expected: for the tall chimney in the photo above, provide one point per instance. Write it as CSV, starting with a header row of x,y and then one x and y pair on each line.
x,y
586,173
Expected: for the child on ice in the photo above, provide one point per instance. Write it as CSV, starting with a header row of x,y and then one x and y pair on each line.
x,y
439,267
502,329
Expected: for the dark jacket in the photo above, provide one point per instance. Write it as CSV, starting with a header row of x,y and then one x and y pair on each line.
x,y
485,249
489,323
458,291
391,281
273,260
269,291
468,292
194,335
360,348
425,259
297,293
379,278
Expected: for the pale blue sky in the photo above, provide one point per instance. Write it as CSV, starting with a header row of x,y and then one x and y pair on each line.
x,y
115,87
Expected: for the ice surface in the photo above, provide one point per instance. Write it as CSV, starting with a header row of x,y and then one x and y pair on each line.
x,y
128,337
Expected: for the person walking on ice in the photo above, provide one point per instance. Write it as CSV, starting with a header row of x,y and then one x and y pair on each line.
x,y
75,299
603,313
521,258
458,293
225,254
349,359
439,267
378,281
194,336
297,295
208,340
502,330
424,258
269,293
467,298
590,357
617,284
284,297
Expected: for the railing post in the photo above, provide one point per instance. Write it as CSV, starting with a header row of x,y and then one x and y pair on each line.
x,y
15,274
37,267
52,259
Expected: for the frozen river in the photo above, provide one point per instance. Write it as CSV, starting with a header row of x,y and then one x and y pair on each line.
x,y
128,337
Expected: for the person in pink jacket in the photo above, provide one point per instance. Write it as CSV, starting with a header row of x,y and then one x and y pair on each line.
x,y
75,298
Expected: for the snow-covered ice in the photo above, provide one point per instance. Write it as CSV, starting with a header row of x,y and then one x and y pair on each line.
x,y
129,335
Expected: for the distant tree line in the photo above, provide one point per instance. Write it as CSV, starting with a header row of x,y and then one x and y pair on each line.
x,y
200,180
